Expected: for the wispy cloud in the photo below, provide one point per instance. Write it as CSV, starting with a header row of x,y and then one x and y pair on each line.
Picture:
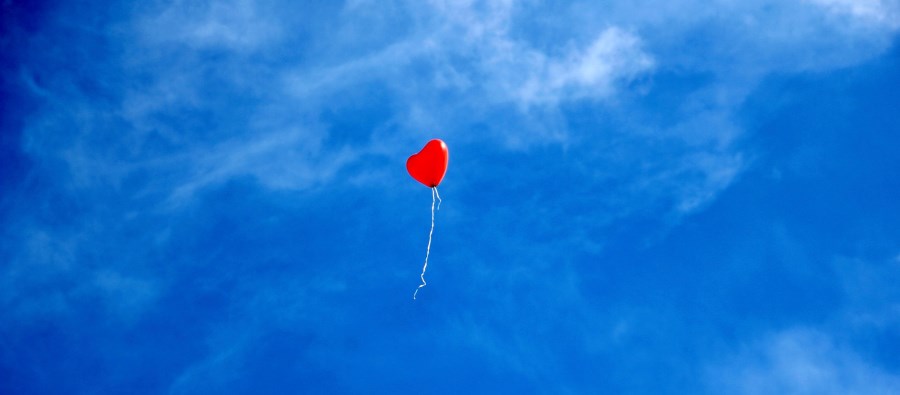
x,y
512,70
613,57
237,25
832,356
881,13
800,361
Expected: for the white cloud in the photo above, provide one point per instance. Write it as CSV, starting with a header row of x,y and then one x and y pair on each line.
x,y
236,25
822,359
469,48
797,362
282,159
878,12
512,70
872,299
613,57
53,260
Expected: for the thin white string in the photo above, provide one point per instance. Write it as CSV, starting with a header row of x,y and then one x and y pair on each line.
x,y
434,188
428,250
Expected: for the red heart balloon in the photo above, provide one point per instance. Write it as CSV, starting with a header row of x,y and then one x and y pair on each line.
x,y
430,164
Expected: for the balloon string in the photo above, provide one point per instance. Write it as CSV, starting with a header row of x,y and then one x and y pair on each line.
x,y
434,188
427,250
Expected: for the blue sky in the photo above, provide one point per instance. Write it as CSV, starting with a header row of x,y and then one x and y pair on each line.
x,y
687,197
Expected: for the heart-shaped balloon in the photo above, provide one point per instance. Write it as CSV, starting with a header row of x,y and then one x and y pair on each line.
x,y
430,164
